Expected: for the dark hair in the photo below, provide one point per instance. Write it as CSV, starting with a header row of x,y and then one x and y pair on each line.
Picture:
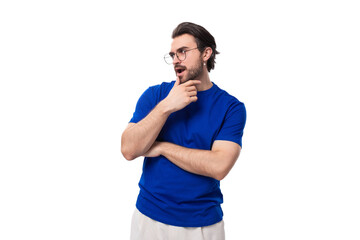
x,y
202,37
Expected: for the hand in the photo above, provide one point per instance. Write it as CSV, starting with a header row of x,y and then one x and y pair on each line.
x,y
182,95
154,150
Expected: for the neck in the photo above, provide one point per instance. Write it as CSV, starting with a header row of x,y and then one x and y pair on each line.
x,y
205,81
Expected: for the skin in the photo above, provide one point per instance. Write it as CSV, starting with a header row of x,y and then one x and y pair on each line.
x,y
139,139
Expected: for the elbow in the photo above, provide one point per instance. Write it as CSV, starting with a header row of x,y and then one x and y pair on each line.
x,y
222,168
220,175
127,153
221,172
128,157
126,149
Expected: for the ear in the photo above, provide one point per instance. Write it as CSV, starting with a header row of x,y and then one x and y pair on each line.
x,y
207,54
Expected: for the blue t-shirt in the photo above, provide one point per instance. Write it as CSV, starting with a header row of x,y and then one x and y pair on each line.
x,y
169,194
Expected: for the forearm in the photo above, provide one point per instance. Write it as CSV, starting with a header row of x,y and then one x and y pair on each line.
x,y
203,162
138,138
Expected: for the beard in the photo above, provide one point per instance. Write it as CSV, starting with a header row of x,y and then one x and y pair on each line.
x,y
193,73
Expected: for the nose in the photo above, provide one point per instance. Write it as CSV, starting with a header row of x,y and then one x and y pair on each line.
x,y
176,60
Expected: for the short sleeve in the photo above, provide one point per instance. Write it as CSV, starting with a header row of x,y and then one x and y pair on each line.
x,y
233,125
145,104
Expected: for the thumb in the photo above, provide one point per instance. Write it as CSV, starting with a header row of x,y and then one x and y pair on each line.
x,y
177,83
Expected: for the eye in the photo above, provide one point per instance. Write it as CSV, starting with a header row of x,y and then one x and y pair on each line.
x,y
172,55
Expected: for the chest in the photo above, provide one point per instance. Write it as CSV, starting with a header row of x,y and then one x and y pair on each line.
x,y
195,126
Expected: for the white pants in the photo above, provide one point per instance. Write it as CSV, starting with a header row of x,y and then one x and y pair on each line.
x,y
145,228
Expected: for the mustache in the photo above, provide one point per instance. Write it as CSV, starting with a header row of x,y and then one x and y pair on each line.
x,y
179,66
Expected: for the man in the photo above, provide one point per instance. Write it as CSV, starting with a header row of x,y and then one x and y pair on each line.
x,y
189,132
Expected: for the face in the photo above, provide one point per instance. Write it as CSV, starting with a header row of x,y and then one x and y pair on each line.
x,y
192,67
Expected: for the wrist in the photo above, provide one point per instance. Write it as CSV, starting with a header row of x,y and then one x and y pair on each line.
x,y
162,148
164,108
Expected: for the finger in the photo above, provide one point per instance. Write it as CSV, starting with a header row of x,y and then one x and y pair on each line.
x,y
177,82
192,93
192,82
193,98
191,88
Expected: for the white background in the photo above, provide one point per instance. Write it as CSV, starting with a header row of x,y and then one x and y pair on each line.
x,y
72,71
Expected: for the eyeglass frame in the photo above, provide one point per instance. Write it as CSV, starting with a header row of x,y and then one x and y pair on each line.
x,y
176,53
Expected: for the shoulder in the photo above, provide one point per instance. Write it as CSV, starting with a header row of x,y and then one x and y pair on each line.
x,y
230,100
166,86
157,91
162,87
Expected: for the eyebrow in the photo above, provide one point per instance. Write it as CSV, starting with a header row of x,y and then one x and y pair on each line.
x,y
181,48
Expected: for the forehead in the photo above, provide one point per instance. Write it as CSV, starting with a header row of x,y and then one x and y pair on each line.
x,y
185,40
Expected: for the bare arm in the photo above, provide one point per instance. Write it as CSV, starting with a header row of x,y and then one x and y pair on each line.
x,y
139,137
215,163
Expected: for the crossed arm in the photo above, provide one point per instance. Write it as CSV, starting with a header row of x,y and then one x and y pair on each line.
x,y
215,163
139,139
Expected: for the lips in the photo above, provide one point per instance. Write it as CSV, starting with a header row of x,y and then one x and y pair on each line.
x,y
179,70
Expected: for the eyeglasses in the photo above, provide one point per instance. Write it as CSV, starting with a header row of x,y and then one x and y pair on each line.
x,y
180,54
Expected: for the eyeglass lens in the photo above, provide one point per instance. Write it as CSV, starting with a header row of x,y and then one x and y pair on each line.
x,y
169,58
